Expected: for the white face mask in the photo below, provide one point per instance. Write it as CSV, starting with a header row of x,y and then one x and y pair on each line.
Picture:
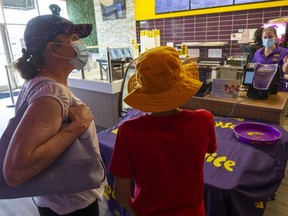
x,y
81,59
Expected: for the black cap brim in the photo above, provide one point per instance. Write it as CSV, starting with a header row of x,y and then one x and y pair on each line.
x,y
83,30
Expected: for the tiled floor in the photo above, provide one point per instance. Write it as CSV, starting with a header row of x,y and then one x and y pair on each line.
x,y
25,206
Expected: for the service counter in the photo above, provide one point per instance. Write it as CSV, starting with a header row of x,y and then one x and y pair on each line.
x,y
103,99
271,110
101,96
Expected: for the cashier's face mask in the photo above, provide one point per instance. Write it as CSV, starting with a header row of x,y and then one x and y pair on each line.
x,y
268,42
81,59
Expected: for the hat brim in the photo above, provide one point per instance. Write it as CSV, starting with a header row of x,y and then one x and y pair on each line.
x,y
83,30
175,96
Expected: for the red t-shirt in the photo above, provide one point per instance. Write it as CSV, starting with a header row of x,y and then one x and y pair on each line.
x,y
165,155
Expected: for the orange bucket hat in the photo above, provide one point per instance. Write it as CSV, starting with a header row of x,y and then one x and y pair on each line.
x,y
161,82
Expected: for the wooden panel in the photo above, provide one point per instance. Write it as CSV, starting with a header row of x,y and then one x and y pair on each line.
x,y
271,110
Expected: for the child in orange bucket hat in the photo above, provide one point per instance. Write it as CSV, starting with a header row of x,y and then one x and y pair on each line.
x,y
161,82
163,150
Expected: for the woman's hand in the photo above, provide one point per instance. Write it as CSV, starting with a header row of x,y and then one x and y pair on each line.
x,y
80,115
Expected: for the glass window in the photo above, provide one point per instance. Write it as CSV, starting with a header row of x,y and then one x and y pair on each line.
x,y
16,41
3,57
1,15
16,34
44,7
25,10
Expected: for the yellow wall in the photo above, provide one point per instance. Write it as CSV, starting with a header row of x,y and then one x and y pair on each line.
x,y
145,9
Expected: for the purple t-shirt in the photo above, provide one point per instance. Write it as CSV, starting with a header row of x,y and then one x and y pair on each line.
x,y
276,57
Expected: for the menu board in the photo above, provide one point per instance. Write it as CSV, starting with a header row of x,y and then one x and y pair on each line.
x,y
197,4
248,1
167,6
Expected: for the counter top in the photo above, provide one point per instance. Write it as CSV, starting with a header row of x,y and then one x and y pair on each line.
x,y
96,85
271,110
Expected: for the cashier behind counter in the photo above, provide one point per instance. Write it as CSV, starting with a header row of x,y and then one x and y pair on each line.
x,y
272,53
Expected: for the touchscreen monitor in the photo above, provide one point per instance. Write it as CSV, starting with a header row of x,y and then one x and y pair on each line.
x,y
248,77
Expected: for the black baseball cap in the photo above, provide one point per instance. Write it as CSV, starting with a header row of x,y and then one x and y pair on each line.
x,y
42,29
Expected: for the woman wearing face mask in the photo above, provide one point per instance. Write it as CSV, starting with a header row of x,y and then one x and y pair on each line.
x,y
271,53
53,50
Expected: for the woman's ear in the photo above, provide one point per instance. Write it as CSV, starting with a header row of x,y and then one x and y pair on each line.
x,y
52,49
